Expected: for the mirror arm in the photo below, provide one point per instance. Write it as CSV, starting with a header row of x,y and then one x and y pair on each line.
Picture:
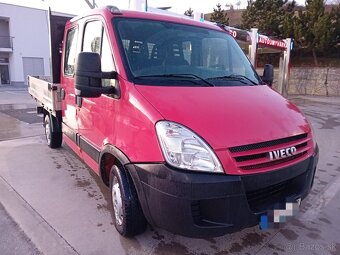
x,y
101,90
101,75
109,75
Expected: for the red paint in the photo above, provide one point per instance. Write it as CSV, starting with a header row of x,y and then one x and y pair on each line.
x,y
229,116
223,116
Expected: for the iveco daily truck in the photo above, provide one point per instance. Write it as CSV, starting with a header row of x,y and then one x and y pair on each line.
x,y
172,116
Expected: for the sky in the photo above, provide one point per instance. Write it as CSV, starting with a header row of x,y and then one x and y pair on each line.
x,y
80,6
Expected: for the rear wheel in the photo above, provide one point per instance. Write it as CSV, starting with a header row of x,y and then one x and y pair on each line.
x,y
54,139
128,215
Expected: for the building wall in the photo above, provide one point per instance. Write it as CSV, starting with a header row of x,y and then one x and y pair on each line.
x,y
29,29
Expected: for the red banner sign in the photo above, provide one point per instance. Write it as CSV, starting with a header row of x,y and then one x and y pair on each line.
x,y
233,33
270,42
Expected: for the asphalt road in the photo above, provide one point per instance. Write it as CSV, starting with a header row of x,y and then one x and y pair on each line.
x,y
62,207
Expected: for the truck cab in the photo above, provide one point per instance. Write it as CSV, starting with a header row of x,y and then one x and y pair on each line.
x,y
172,116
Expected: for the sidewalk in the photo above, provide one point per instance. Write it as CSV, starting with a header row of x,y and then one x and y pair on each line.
x,y
12,87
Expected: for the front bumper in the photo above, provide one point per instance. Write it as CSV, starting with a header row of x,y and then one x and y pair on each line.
x,y
206,205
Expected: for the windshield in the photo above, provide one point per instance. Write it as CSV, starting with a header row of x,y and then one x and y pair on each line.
x,y
165,53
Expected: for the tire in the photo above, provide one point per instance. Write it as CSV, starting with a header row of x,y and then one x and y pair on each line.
x,y
128,215
54,139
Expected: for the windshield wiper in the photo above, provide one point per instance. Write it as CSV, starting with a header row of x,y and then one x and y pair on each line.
x,y
181,75
237,77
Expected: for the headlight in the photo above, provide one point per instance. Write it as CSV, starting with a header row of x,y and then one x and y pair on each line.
x,y
184,149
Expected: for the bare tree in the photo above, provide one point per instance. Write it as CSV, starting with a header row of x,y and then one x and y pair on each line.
x,y
238,4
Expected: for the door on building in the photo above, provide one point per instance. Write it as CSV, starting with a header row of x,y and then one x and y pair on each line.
x,y
4,74
33,66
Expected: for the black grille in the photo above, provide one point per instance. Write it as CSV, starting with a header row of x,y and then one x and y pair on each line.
x,y
276,195
262,155
274,190
260,199
250,157
273,163
255,146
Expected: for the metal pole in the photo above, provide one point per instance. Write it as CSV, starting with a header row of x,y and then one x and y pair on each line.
x,y
286,70
281,74
253,46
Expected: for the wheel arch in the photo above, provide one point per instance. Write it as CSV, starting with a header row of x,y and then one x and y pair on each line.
x,y
56,121
109,156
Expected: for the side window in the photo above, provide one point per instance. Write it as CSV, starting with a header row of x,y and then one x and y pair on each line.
x,y
107,61
93,37
70,51
96,40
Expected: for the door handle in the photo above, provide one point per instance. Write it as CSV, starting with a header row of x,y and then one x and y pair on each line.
x,y
79,101
62,94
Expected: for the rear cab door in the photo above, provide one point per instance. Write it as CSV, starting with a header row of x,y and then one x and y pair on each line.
x,y
67,80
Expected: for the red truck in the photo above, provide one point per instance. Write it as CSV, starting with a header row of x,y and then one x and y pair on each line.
x,y
172,116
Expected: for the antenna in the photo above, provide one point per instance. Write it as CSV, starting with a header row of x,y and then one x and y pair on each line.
x,y
91,5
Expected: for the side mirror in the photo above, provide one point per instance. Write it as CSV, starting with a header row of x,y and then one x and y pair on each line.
x,y
88,76
268,74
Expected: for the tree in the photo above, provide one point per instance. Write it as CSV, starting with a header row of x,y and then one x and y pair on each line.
x,y
189,12
315,30
267,15
335,19
289,21
219,15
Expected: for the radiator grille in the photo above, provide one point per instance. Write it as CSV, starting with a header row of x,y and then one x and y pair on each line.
x,y
256,156
267,144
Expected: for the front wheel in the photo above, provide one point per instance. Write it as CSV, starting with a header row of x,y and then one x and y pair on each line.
x,y
128,214
54,139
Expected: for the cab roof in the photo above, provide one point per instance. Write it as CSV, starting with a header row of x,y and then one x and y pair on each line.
x,y
108,13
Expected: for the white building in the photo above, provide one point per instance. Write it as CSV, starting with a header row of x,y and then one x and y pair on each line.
x,y
24,47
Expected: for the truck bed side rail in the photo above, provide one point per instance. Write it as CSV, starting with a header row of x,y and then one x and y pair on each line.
x,y
47,94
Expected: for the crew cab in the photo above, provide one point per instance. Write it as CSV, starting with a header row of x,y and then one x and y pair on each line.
x,y
171,115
